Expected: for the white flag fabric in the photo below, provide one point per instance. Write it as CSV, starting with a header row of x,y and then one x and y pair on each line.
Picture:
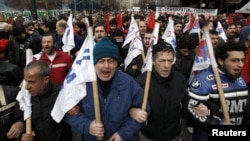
x,y
135,49
196,26
23,96
38,55
133,29
169,35
187,26
74,86
221,32
202,59
68,36
147,66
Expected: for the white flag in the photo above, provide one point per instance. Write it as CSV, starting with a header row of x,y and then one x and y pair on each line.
x,y
74,86
189,25
169,35
202,58
23,96
135,49
147,66
68,36
221,32
133,29
196,26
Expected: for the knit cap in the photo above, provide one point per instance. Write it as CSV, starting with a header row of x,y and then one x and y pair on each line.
x,y
105,48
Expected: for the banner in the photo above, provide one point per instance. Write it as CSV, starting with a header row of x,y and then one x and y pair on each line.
x,y
187,10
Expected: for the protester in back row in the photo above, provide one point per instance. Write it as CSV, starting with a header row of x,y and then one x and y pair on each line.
x,y
178,26
37,28
5,34
203,90
50,27
214,38
81,30
134,67
165,97
230,32
43,96
61,28
185,55
17,47
58,61
100,32
125,22
116,34
142,27
163,26
10,74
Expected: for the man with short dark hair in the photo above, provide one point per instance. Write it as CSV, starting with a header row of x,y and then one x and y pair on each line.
x,y
43,96
203,89
166,91
214,36
58,61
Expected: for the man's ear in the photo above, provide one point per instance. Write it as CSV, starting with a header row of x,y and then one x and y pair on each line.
x,y
220,61
47,79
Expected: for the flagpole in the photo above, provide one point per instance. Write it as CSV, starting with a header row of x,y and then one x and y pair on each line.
x,y
154,39
28,126
95,90
217,76
96,105
29,58
143,55
146,90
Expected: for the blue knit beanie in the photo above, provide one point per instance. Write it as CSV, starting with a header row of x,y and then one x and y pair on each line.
x,y
105,48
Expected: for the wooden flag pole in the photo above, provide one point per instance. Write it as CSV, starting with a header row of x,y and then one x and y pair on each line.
x,y
143,56
217,77
29,58
149,71
28,126
146,90
221,94
96,105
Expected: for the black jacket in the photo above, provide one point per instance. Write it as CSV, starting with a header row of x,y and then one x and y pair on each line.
x,y
46,129
11,114
10,74
165,96
184,64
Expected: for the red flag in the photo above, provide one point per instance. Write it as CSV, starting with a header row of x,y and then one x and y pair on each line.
x,y
248,20
119,21
107,24
151,21
230,18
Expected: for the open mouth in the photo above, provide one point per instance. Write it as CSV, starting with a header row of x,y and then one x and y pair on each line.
x,y
106,73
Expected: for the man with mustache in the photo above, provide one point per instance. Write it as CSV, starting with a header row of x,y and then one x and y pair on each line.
x,y
58,61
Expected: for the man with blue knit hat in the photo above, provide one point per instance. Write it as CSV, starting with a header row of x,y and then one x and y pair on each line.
x,y
118,92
